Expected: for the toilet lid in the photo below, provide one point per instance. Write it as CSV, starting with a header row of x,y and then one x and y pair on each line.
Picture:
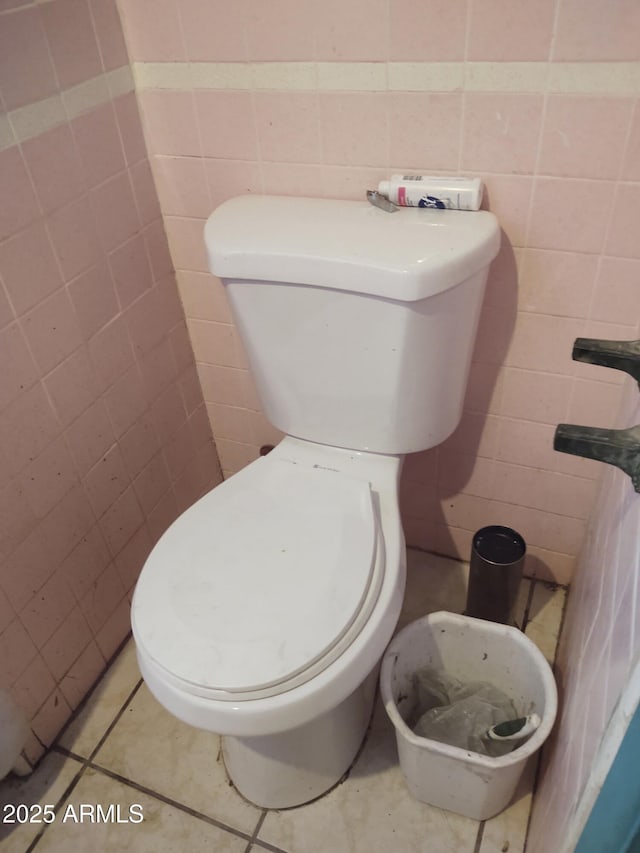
x,y
259,581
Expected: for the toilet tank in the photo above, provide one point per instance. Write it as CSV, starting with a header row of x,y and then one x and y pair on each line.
x,y
358,324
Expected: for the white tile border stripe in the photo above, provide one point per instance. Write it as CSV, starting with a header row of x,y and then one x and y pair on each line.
x,y
29,121
586,78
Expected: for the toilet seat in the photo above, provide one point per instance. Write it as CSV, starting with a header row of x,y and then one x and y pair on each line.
x,y
263,583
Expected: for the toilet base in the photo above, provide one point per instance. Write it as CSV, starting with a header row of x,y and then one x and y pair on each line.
x,y
293,767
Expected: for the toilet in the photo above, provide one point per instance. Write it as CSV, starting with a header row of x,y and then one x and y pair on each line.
x,y
263,612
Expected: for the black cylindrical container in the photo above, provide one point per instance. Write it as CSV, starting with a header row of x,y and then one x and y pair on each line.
x,y
495,572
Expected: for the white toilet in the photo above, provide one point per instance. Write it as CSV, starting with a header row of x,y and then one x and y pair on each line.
x,y
263,612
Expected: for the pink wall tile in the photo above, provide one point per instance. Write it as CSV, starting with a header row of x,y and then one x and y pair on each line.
x,y
556,283
584,137
98,141
121,521
108,28
215,31
158,369
509,197
284,30
423,112
562,214
81,245
594,402
16,652
152,483
144,192
82,674
94,299
631,166
501,31
501,132
533,396
48,609
353,128
339,27
72,42
52,160
26,70
75,238
86,562
125,401
115,211
182,186
228,178
186,243
130,127
102,599
52,330
25,571
427,30
288,128
139,444
617,288
47,479
71,386
51,717
28,267
153,30
109,637
228,126
27,425
111,352
6,311
19,204
170,122
584,33
89,436
543,342
131,270
33,687
65,524
203,296
63,648
623,233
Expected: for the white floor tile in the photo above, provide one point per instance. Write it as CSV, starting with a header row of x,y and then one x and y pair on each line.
x,y
45,786
163,828
151,747
84,733
370,812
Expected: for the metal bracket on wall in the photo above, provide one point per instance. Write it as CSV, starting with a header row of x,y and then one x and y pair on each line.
x,y
619,447
619,355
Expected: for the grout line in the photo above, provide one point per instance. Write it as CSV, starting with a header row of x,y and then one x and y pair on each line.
x,y
478,843
114,722
528,603
85,701
130,783
70,787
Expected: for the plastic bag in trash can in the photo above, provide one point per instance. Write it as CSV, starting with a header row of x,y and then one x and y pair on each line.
x,y
460,714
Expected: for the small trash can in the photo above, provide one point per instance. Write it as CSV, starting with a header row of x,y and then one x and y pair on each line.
x,y
470,784
495,572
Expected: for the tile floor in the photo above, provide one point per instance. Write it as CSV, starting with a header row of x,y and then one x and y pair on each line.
x,y
122,749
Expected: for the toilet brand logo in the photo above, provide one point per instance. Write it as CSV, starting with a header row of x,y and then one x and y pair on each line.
x,y
96,813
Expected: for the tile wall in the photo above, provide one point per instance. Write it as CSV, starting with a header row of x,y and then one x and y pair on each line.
x,y
104,437
597,657
540,99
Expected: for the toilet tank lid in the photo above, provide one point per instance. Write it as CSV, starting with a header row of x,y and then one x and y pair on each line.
x,y
407,255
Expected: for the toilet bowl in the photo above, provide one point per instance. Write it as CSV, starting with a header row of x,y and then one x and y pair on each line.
x,y
276,650
263,611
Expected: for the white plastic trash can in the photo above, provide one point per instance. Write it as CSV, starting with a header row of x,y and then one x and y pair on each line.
x,y
470,784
